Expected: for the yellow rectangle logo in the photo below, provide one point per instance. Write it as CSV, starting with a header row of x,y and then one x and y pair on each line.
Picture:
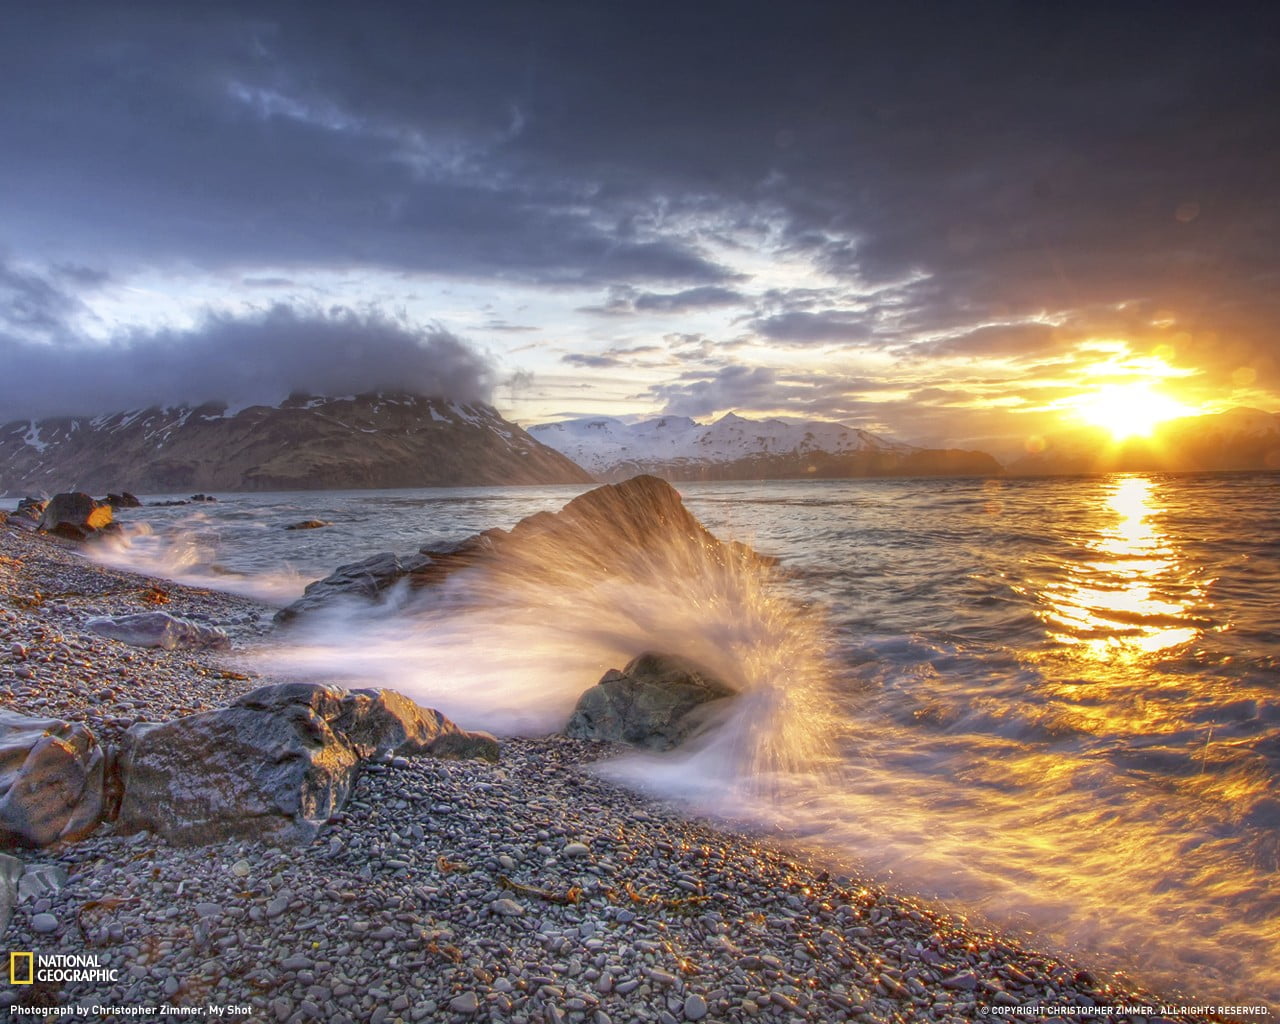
x,y
16,975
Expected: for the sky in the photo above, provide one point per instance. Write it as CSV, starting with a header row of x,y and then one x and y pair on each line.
x,y
952,223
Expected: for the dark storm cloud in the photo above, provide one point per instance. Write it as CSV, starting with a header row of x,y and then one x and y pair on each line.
x,y
813,328
989,163
241,360
732,387
35,305
706,297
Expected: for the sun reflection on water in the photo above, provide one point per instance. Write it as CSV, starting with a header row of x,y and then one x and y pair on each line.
x,y
1132,594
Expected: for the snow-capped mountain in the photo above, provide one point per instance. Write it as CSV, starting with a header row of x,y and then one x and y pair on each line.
x,y
382,439
733,448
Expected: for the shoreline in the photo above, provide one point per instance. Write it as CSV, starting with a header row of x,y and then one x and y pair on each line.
x,y
530,890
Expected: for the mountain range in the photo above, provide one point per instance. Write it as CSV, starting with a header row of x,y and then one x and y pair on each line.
x,y
375,440
398,439
734,448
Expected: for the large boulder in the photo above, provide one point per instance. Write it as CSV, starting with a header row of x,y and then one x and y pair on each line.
x,y
75,515
658,701
51,775
639,526
276,764
160,629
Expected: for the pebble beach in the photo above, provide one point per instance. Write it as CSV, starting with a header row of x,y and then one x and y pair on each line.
x,y
527,891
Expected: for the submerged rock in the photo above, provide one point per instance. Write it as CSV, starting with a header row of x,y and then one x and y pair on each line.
x,y
658,701
75,515
275,764
309,524
160,629
51,775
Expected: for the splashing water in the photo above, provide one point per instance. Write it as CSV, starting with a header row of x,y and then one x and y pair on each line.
x,y
512,643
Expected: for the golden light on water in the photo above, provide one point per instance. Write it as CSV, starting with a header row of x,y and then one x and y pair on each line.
x,y
1128,410
1133,595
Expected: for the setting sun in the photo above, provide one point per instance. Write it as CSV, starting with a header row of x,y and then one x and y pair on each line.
x,y
1128,410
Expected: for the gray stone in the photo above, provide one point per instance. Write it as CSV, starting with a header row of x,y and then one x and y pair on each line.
x,y
160,629
41,880
51,775
276,764
44,924
10,871
507,907
465,1003
658,701
695,1007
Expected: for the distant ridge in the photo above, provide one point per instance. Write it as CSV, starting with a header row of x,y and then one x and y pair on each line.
x,y
374,440
736,448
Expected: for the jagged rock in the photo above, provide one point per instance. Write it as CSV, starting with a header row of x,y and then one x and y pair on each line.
x,y
658,701
203,497
10,872
159,629
277,763
364,579
123,500
75,515
608,531
51,775
308,524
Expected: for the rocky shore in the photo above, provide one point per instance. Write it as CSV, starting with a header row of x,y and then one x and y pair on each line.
x,y
527,890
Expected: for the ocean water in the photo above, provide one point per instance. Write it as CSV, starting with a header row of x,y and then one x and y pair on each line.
x,y
1054,705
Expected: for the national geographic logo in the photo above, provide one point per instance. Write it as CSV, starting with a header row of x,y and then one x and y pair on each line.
x,y
28,968
22,968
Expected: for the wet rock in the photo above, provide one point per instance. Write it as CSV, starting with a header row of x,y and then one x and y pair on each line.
x,y
309,524
27,514
123,500
160,629
239,771
75,515
658,701
277,763
51,776
365,580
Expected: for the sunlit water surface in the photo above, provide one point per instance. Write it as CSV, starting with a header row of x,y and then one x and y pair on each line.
x,y
1055,704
